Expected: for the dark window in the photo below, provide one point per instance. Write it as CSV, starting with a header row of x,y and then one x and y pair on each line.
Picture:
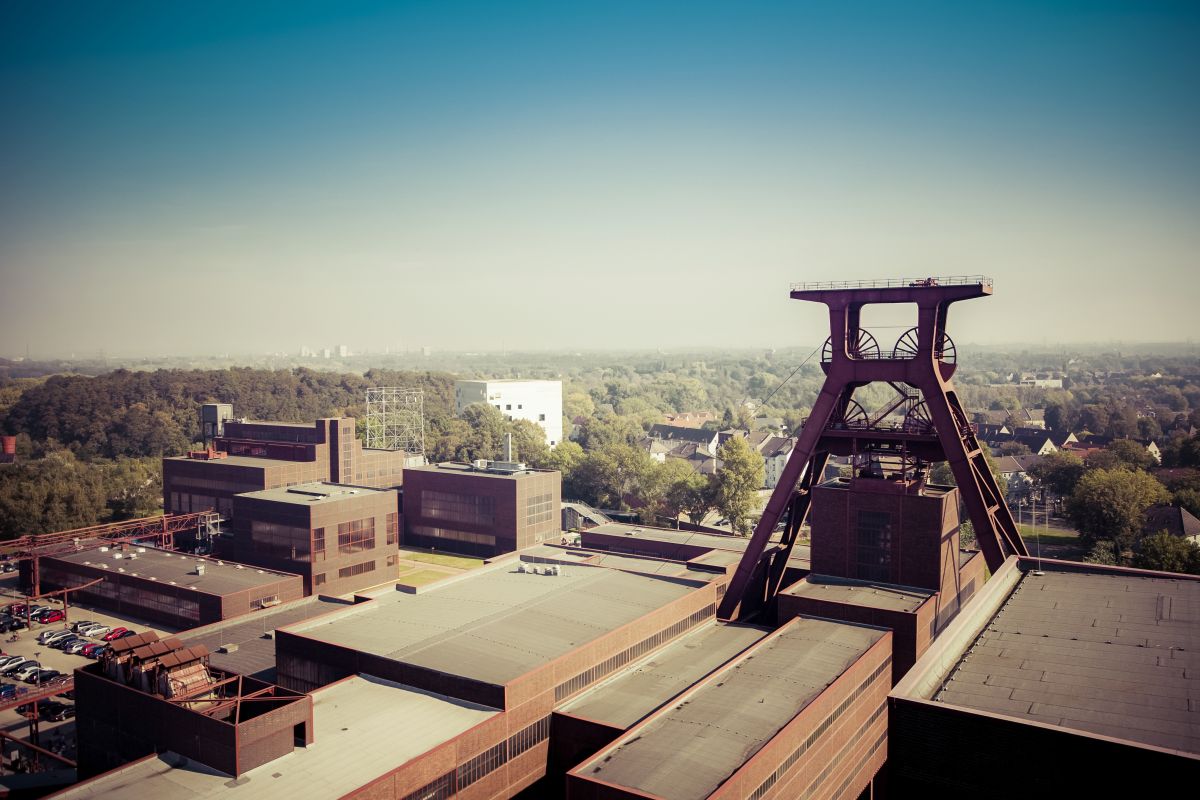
x,y
874,546
319,579
318,544
357,569
357,535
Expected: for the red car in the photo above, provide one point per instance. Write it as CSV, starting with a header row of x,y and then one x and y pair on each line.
x,y
115,633
52,616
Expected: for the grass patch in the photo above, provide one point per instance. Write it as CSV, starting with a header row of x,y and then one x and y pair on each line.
x,y
1055,536
422,577
441,559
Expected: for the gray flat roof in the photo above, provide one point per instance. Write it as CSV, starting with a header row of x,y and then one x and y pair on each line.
x,y
495,624
239,461
255,654
319,492
363,727
859,593
1117,655
639,689
162,566
687,751
468,469
801,554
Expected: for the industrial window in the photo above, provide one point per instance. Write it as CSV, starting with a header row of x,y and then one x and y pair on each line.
x,y
542,418
357,569
391,560
508,406
318,544
280,541
319,579
454,536
539,509
482,764
357,535
874,559
440,789
528,737
393,527
466,509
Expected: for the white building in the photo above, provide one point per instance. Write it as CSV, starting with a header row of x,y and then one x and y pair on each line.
x,y
536,401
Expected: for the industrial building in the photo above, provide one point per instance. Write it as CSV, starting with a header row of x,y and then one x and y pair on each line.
x,y
638,662
338,538
481,509
535,401
162,586
253,456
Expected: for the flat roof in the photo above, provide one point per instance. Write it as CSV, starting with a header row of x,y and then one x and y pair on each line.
x,y
884,596
255,654
645,685
317,492
496,624
1111,654
801,554
687,751
239,461
176,569
363,727
469,469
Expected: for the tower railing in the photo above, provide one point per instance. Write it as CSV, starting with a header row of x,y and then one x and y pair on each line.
x,y
890,283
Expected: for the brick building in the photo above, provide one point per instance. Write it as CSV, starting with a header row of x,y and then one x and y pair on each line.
x,y
337,538
482,510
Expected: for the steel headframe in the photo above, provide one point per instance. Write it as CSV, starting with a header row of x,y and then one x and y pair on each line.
x,y
952,437
395,419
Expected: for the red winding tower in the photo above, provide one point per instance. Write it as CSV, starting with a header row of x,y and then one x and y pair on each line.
x,y
935,427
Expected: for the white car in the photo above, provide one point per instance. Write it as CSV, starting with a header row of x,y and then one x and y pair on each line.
x,y
96,631
27,670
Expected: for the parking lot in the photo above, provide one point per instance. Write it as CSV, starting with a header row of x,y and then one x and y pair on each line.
x,y
28,646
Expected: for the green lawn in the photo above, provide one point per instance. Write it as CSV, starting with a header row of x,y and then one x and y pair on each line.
x,y
1050,536
422,577
441,559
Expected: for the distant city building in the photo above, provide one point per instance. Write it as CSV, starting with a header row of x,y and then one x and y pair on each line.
x,y
536,401
343,351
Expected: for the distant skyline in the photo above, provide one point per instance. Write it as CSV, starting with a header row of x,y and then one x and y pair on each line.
x,y
197,178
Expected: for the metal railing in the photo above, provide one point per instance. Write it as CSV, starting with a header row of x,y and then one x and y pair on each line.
x,y
888,283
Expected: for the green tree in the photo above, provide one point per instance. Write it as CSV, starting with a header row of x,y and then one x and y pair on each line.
x,y
737,482
133,487
565,457
1130,454
488,427
1111,505
1162,551
529,443
1059,472
1187,499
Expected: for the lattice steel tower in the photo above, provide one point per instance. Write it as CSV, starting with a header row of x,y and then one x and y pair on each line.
x,y
395,419
934,428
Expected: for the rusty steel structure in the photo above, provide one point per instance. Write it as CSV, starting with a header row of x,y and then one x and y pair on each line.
x,y
929,424
158,531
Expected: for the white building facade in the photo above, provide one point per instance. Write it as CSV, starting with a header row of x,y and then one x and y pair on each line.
x,y
536,401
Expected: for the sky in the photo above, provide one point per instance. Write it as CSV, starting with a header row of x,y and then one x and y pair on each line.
x,y
208,177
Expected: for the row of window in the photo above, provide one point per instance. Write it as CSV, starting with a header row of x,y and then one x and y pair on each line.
x,y
837,759
473,770
590,676
874,552
454,536
356,569
824,727
467,509
392,527
280,541
109,593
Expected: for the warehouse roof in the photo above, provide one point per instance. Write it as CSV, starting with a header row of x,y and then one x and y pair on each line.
x,y
496,624
255,653
363,727
176,569
1111,654
241,461
645,685
859,593
686,752
321,492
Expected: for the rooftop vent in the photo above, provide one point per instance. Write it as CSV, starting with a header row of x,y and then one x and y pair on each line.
x,y
117,555
103,549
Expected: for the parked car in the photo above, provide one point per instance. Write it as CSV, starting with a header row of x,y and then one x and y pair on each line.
x,y
15,608
17,625
90,648
54,637
63,644
54,615
6,660
96,631
76,646
127,634
79,625
99,651
25,670
59,680
43,676
8,566
114,634
13,666
64,713
38,609
68,694
8,691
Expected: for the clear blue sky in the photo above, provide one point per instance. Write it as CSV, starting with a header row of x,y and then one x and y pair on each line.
x,y
195,177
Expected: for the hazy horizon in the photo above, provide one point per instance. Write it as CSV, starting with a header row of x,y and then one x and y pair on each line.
x,y
203,178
